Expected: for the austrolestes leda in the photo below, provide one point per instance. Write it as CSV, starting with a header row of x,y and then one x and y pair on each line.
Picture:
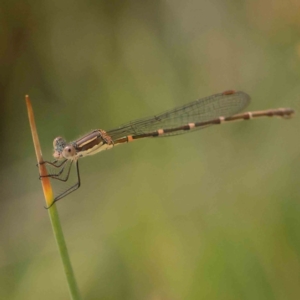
x,y
212,110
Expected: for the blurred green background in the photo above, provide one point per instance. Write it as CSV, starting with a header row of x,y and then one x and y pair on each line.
x,y
213,214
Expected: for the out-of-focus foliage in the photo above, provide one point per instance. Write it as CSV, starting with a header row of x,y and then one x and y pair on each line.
x,y
208,215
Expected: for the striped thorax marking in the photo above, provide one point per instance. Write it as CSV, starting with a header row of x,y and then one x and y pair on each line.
x,y
94,142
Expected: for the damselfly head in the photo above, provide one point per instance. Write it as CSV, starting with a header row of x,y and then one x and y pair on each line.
x,y
58,144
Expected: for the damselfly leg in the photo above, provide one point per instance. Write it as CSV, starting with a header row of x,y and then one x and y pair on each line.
x,y
61,170
63,173
71,189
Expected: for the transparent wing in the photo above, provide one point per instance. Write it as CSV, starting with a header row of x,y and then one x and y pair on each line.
x,y
205,109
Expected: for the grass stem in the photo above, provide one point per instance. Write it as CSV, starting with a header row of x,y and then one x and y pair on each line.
x,y
53,213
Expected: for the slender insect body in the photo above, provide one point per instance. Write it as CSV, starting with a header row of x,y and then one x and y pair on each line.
x,y
213,110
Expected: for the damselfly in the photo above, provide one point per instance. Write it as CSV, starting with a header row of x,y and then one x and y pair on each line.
x,y
212,110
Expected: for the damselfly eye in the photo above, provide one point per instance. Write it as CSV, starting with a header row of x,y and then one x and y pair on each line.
x,y
69,151
58,141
